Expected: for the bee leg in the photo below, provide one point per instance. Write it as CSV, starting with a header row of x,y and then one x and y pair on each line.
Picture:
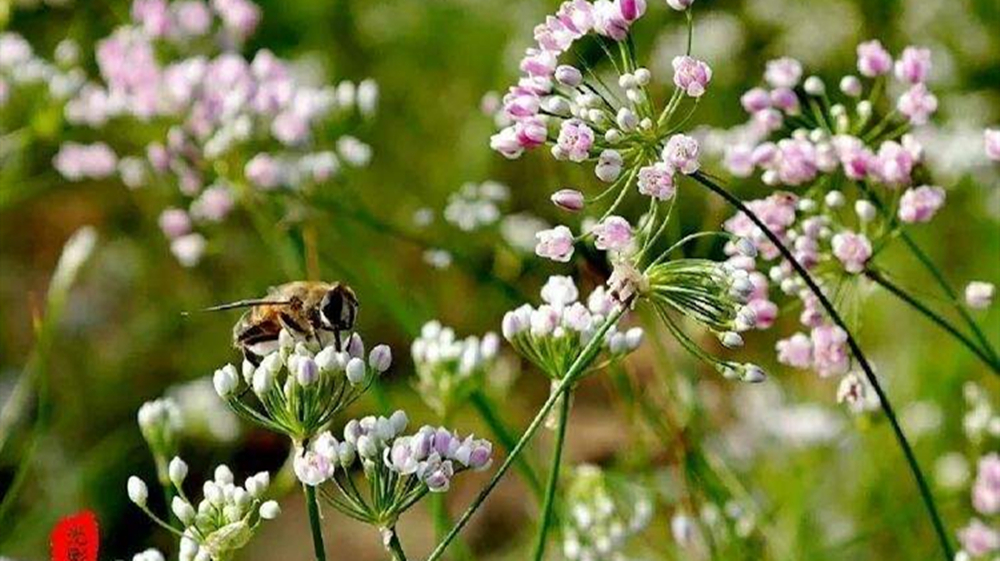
x,y
338,344
252,357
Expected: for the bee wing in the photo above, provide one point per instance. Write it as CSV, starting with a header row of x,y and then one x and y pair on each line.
x,y
243,304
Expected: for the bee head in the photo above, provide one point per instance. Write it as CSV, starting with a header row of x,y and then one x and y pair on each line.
x,y
339,308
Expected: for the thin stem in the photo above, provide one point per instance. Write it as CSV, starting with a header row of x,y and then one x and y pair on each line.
x,y
925,260
574,371
484,406
392,544
553,483
442,523
317,532
904,444
900,293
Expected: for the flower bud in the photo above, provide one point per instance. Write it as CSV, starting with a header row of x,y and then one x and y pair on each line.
x,y
307,372
753,374
380,358
177,470
223,475
731,340
746,247
257,485
263,379
834,199
327,360
568,75
269,510
356,371
355,346
367,448
643,76
225,380
183,511
568,199
633,338
979,295
865,210
137,491
285,340
626,119
248,370
398,422
814,86
851,86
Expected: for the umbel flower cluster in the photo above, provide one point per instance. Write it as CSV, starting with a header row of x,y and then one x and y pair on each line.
x,y
448,369
299,388
160,423
399,469
601,514
222,523
552,335
26,77
209,122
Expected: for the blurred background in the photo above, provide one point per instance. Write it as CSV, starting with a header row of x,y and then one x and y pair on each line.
x,y
824,484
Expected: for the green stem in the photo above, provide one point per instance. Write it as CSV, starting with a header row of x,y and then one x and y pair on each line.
x,y
950,292
442,523
575,370
484,406
553,483
392,544
317,532
898,292
904,444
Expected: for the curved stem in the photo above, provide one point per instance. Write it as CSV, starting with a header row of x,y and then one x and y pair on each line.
x,y
553,483
904,444
317,532
575,370
950,292
442,523
930,314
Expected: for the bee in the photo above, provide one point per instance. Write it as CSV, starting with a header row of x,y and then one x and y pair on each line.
x,y
311,311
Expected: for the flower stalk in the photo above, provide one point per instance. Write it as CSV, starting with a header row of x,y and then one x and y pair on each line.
x,y
314,522
553,482
904,444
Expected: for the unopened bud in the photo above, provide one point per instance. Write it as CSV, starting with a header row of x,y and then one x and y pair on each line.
x,y
568,199
356,371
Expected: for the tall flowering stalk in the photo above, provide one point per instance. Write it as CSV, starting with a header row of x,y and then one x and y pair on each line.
x,y
857,168
630,142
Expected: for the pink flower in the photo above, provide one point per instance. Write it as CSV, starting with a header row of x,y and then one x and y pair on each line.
x,y
174,222
829,350
555,244
786,100
574,142
577,16
632,9
539,62
913,65
290,128
852,250
609,21
520,102
153,16
691,75
783,72
506,143
796,161
991,143
917,103
767,121
263,171
240,17
568,199
873,59
894,164
796,351
738,160
680,5
615,234
193,17
213,204
858,161
921,203
986,489
657,181
765,312
681,152
978,539
755,100
85,161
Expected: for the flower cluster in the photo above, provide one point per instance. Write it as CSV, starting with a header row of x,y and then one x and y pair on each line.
x,y
552,335
25,76
222,523
450,369
602,513
399,469
299,387
723,525
475,206
584,120
980,538
850,136
223,122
